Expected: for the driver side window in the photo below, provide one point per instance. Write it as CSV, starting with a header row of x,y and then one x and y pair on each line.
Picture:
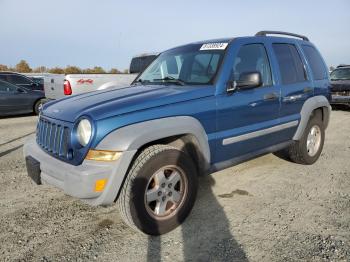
x,y
252,58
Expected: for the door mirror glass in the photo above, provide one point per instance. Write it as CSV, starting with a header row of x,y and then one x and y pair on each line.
x,y
249,80
246,80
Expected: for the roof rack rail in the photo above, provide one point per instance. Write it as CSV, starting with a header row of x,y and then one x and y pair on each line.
x,y
343,65
264,33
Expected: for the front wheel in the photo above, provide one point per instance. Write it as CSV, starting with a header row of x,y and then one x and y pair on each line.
x,y
159,191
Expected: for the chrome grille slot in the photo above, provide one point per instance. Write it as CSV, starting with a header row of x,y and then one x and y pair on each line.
x,y
53,137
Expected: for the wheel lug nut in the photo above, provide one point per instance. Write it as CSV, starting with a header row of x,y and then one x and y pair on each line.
x,y
163,185
170,193
163,198
159,193
170,185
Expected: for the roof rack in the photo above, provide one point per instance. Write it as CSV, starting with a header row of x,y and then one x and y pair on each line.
x,y
343,65
264,33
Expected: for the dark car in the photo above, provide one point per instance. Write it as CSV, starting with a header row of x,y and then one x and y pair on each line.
x,y
21,80
19,100
340,80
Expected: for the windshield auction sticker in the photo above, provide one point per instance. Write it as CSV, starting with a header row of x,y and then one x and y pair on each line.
x,y
214,46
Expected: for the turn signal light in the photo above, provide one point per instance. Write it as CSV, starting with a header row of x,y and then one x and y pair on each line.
x,y
100,185
102,155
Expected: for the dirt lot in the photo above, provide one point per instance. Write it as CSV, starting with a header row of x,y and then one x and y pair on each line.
x,y
266,209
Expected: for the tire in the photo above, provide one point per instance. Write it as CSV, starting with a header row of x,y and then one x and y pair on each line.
x,y
299,151
37,106
152,172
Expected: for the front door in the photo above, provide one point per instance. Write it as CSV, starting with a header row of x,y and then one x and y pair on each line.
x,y
246,119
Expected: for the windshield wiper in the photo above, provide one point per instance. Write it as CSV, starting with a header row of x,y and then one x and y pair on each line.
x,y
172,79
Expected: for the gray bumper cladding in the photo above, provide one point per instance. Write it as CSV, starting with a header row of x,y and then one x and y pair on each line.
x,y
79,181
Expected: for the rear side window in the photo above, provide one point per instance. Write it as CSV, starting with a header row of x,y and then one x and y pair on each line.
x,y
18,80
5,87
315,62
290,64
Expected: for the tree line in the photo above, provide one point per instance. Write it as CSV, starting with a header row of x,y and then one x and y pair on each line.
x,y
23,67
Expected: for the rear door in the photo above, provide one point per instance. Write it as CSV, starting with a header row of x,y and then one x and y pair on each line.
x,y
53,86
296,87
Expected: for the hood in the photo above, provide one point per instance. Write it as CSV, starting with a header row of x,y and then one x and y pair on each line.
x,y
340,85
117,101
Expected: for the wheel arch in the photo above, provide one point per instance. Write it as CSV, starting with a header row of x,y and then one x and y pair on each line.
x,y
309,108
183,132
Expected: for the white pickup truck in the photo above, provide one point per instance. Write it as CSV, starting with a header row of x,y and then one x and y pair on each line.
x,y
74,84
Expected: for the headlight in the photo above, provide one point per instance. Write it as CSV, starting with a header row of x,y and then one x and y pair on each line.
x,y
84,132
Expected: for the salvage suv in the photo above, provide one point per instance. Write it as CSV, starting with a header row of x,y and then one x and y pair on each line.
x,y
194,110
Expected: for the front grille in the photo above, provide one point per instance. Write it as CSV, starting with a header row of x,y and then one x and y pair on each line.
x,y
341,93
53,137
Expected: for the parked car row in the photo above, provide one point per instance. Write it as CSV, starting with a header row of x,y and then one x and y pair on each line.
x,y
25,93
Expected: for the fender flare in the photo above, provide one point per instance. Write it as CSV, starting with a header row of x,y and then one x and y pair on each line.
x,y
309,106
133,137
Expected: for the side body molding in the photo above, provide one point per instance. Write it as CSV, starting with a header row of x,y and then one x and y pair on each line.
x,y
134,136
310,105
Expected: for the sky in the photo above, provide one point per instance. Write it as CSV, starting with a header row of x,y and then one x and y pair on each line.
x,y
109,33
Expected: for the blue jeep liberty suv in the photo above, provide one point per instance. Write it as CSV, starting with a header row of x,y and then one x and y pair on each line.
x,y
195,109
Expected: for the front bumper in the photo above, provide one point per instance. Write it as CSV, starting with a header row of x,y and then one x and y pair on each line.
x,y
338,99
79,181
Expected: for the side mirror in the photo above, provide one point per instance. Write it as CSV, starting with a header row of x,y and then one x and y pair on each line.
x,y
246,80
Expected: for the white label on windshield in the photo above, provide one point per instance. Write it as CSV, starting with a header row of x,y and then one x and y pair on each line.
x,y
214,46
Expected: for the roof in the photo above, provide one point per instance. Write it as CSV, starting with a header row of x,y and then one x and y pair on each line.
x,y
343,66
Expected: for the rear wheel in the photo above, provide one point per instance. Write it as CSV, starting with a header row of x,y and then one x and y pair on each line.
x,y
308,149
160,190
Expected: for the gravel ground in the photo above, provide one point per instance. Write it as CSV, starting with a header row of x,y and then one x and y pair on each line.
x,y
266,209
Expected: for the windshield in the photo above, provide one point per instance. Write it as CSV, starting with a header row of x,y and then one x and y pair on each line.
x,y
194,64
341,74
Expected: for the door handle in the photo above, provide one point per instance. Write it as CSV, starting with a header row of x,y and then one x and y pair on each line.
x,y
307,90
270,96
292,98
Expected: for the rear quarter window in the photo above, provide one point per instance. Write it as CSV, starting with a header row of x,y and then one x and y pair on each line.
x,y
315,61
